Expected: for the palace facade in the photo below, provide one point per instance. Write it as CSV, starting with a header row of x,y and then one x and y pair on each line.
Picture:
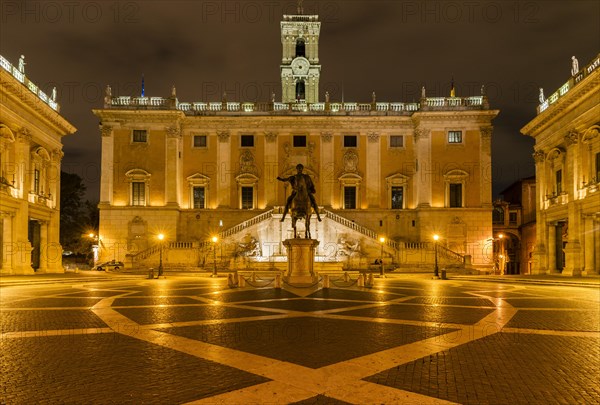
x,y
401,171
567,162
31,129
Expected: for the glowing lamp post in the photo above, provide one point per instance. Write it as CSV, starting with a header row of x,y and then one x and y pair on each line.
x,y
381,270
214,240
435,246
160,238
96,240
501,262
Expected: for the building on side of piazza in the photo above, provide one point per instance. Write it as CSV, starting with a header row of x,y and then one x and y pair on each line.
x,y
567,161
31,129
514,228
405,171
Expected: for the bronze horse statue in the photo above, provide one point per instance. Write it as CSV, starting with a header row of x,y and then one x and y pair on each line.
x,y
301,206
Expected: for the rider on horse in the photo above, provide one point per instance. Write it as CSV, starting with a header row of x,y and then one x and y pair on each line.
x,y
310,187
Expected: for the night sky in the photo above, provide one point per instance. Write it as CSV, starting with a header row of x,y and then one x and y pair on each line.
x,y
390,47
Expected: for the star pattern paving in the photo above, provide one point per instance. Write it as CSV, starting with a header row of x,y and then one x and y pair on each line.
x,y
409,339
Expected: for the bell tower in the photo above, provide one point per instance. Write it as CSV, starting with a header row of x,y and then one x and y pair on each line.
x,y
300,69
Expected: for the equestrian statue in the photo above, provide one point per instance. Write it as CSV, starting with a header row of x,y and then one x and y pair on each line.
x,y
302,199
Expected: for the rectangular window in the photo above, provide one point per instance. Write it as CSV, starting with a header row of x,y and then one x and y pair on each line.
x,y
247,141
559,181
36,181
140,135
397,197
512,218
598,167
455,137
396,141
199,198
200,141
299,141
350,198
455,195
247,198
350,141
138,193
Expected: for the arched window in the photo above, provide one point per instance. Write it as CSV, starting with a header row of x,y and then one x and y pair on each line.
x,y
300,90
300,48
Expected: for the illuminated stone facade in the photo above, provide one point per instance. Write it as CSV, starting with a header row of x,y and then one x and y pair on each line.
x,y
567,156
30,156
190,170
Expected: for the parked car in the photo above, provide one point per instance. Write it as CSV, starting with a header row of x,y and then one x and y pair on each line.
x,y
106,266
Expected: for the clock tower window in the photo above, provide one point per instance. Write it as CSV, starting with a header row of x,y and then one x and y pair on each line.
x,y
300,90
300,48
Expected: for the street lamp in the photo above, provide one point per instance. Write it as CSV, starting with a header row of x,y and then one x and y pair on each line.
x,y
160,237
214,239
95,246
381,272
435,269
501,255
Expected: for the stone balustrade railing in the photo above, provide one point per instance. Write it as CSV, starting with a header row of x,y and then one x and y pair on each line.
x,y
20,76
378,108
572,82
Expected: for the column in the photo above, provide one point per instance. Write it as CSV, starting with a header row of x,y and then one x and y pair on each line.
x,y
224,171
21,248
373,172
573,252
589,246
172,175
107,165
542,242
45,247
425,171
551,258
6,250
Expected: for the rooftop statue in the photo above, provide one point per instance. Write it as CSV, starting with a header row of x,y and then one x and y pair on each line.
x,y
575,66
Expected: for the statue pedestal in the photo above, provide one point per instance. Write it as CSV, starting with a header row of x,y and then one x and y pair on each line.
x,y
301,257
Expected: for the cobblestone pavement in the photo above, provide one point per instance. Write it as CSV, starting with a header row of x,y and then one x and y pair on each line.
x,y
192,340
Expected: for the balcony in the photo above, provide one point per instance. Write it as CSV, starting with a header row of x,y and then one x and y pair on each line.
x,y
554,199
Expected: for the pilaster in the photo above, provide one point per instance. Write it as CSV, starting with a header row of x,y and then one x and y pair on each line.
x,y
107,175
224,171
373,171
485,161
172,175
271,165
327,169
425,172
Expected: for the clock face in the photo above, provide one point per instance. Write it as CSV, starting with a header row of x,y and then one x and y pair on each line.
x,y
300,66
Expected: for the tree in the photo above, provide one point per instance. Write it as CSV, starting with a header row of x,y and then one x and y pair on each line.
x,y
72,214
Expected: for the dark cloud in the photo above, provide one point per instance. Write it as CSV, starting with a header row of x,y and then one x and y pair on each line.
x,y
392,47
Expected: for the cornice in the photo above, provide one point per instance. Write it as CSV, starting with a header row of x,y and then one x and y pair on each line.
x,y
570,100
12,88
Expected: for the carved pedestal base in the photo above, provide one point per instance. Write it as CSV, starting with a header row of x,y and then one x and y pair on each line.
x,y
301,257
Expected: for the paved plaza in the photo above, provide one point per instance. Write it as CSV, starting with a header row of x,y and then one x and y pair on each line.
x,y
193,340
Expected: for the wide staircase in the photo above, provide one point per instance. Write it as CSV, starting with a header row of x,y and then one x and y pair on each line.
x,y
398,256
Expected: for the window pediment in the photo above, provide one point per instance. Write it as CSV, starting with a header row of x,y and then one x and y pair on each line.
x,y
397,179
456,175
40,153
350,179
590,133
554,154
138,174
6,135
246,179
198,179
